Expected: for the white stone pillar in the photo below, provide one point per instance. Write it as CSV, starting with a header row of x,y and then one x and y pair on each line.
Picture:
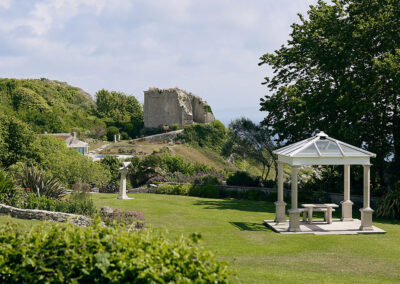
x,y
294,212
115,138
122,186
347,204
280,205
366,211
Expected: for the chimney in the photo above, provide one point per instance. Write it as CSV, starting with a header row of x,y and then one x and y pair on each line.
x,y
74,135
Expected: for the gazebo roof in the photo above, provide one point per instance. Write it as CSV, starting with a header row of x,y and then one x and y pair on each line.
x,y
323,150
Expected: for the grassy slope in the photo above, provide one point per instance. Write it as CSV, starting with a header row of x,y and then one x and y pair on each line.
x,y
233,230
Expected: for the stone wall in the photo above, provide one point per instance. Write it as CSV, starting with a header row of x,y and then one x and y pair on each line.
x,y
174,106
45,215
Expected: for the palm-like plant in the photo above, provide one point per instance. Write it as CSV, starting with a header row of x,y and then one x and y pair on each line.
x,y
35,181
389,206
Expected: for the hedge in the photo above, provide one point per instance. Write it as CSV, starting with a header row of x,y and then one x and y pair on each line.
x,y
71,254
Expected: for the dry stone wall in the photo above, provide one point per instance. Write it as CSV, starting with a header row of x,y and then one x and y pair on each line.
x,y
174,106
45,215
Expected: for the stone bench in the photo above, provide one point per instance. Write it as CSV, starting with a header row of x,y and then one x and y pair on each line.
x,y
325,210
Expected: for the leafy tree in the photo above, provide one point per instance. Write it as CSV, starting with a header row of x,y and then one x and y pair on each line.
x,y
251,140
16,139
120,108
339,72
111,131
113,164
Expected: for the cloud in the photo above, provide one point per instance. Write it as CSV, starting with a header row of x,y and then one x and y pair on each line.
x,y
5,4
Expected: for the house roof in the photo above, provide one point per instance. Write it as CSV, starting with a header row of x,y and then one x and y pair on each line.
x,y
71,140
322,150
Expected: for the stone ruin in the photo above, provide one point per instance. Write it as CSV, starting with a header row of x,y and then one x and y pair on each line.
x,y
174,106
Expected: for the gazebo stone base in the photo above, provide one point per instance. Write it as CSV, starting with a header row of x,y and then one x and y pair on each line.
x,y
294,220
366,219
347,210
280,207
320,227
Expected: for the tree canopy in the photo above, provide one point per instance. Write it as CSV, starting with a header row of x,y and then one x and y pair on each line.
x,y
340,72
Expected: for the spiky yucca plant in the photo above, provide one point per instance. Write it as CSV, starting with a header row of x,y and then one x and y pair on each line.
x,y
389,206
36,181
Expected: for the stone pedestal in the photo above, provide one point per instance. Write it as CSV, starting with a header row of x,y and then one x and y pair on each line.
x,y
347,210
280,209
294,220
366,219
122,186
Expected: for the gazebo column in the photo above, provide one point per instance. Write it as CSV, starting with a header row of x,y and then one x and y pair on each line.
x,y
347,204
280,205
294,212
366,211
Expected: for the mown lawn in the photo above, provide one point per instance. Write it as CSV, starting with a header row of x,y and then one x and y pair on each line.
x,y
233,230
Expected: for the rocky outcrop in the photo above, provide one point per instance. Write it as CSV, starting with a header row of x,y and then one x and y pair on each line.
x,y
45,215
174,106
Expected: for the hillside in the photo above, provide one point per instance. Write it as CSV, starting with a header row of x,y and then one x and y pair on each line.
x,y
47,105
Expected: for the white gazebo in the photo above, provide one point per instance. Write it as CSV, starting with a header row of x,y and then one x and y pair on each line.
x,y
322,150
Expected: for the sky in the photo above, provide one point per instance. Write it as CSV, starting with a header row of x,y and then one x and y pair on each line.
x,y
208,47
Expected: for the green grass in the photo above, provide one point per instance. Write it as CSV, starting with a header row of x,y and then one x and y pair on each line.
x,y
233,230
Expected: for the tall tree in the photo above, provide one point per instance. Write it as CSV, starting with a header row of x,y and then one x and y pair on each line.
x,y
254,141
339,72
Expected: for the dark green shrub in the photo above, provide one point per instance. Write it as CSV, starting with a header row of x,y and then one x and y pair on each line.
x,y
113,164
124,136
37,182
7,188
389,205
111,131
207,190
74,205
255,194
240,178
173,189
72,254
111,187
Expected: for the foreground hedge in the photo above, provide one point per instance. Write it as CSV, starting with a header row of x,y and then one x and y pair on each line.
x,y
70,254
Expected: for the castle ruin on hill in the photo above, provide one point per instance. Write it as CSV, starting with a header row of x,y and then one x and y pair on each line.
x,y
174,106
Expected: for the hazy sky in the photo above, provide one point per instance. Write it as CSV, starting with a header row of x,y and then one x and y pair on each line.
x,y
210,48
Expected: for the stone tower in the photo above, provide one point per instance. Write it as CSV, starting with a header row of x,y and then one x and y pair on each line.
x,y
174,106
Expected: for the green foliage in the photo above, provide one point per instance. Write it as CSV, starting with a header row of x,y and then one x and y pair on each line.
x,y
389,205
240,178
173,189
111,187
122,109
7,188
97,254
124,136
15,140
160,164
113,165
36,182
111,131
47,105
175,126
78,203
340,73
67,165
211,135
